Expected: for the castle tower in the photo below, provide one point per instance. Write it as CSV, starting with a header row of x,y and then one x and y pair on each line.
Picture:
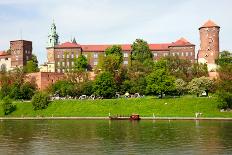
x,y
53,37
21,52
209,44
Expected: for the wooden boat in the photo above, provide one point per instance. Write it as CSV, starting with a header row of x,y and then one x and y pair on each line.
x,y
132,117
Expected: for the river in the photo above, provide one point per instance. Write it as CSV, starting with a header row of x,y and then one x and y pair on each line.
x,y
115,137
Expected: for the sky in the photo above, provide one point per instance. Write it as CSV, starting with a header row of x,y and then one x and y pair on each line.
x,y
112,21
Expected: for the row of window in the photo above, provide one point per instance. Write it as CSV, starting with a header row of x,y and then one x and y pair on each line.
x,y
175,53
95,55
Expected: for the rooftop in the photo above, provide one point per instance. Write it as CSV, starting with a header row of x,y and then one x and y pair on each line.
x,y
209,23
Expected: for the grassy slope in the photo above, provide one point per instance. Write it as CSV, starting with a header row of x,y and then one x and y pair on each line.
x,y
184,106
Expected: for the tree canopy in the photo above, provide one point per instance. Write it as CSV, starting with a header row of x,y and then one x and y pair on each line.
x,y
141,51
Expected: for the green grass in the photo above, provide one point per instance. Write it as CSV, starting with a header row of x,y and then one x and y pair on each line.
x,y
172,107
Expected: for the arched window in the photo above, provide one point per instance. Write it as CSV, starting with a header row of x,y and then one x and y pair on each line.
x,y
3,68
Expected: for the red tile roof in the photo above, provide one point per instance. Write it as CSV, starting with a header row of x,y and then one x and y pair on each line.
x,y
3,53
125,47
181,42
68,45
209,23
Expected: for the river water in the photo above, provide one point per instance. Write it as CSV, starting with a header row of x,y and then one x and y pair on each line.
x,y
115,137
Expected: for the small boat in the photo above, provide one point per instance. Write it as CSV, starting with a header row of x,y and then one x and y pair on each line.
x,y
132,117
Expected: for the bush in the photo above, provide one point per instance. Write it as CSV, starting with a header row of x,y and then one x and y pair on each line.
x,y
225,100
8,106
40,101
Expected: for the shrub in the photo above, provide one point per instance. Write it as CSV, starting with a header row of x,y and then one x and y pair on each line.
x,y
225,100
40,101
8,106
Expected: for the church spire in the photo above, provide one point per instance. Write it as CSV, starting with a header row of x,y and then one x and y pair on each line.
x,y
53,37
74,40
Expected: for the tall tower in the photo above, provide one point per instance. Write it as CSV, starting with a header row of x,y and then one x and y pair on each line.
x,y
209,44
53,37
21,52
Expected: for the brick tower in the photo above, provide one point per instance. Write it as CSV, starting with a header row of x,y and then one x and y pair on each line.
x,y
21,52
209,44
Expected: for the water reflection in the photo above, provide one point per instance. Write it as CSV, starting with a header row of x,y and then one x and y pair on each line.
x,y
115,137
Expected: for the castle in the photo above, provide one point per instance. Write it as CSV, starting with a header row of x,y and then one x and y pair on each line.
x,y
60,56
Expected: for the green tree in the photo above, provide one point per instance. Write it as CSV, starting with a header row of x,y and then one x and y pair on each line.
x,y
105,85
40,101
180,86
112,60
199,85
160,81
115,50
224,82
7,106
141,51
180,68
32,65
80,63
64,88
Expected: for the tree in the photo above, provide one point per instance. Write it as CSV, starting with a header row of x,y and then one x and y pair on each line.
x,y
79,72
112,60
180,86
141,51
105,85
180,68
40,101
80,63
199,70
115,50
199,85
160,81
8,106
64,88
224,82
32,65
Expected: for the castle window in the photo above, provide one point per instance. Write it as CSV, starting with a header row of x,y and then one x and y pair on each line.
x,y
86,55
72,55
125,55
165,54
125,62
182,54
187,54
58,56
67,56
63,63
155,54
95,63
95,55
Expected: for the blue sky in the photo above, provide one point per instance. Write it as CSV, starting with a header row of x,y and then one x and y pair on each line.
x,y
112,21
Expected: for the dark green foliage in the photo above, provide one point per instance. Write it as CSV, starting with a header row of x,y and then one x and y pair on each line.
x,y
105,85
32,65
40,101
225,100
27,90
64,88
224,85
8,106
112,60
115,50
87,88
141,51
80,63
160,81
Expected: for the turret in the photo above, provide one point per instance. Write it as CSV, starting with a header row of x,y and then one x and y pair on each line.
x,y
209,44
53,38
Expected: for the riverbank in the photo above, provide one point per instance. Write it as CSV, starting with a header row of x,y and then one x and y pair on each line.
x,y
107,118
149,107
